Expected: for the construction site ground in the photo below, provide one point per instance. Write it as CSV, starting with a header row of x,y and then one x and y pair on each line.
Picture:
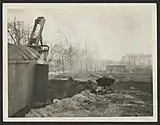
x,y
126,98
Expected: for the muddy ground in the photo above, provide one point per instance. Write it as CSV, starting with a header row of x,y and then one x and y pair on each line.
x,y
111,104
126,98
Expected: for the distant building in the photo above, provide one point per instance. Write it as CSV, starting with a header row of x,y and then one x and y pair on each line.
x,y
115,67
143,60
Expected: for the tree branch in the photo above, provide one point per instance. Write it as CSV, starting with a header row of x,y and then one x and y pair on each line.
x,y
12,36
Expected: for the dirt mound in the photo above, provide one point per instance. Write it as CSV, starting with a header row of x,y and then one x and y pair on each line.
x,y
87,104
74,98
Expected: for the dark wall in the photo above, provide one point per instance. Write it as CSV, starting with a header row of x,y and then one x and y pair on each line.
x,y
20,86
27,84
41,83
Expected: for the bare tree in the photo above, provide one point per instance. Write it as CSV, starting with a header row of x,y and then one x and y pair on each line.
x,y
57,55
71,54
17,32
63,55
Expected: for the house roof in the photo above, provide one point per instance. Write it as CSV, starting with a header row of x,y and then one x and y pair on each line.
x,y
22,53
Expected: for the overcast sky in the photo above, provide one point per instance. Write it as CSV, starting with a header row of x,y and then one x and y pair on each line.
x,y
110,31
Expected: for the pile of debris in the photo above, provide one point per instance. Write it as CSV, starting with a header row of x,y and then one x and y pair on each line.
x,y
87,104
96,87
100,85
64,88
96,98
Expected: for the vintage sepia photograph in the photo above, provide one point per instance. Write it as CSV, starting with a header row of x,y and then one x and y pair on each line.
x,y
80,62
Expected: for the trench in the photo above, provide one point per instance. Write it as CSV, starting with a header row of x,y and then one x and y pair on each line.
x,y
64,88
